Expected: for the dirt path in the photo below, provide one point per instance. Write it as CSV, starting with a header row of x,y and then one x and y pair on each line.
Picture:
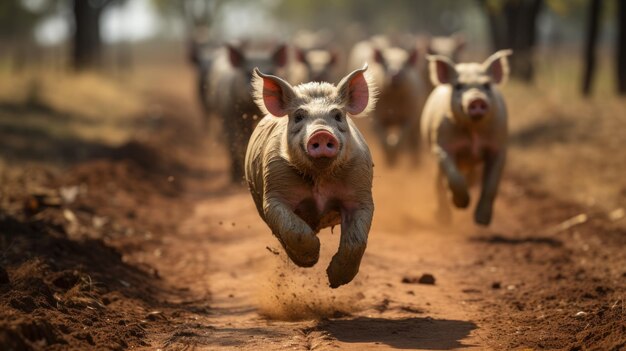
x,y
225,253
158,251
247,295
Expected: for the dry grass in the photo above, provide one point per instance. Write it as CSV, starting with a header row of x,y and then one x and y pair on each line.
x,y
87,107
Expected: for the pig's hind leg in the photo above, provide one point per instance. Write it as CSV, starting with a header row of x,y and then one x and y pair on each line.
x,y
494,164
355,226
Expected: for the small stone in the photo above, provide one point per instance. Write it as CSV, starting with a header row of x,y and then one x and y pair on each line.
x,y
426,278
580,314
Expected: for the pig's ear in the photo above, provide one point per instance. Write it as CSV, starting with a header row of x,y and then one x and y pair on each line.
x,y
412,58
272,94
333,57
356,92
497,66
378,56
301,56
459,39
235,56
280,55
441,69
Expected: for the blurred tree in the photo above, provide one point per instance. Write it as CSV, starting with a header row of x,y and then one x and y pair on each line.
x,y
621,47
17,21
513,25
87,48
593,24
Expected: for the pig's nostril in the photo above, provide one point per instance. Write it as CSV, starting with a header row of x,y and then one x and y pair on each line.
x,y
330,145
316,145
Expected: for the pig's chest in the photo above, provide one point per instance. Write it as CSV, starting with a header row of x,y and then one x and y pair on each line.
x,y
320,205
470,149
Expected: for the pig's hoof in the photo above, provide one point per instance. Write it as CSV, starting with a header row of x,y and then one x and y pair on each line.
x,y
341,271
338,276
482,218
461,199
305,252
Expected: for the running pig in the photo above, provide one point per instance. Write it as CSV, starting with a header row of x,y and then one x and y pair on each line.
x,y
308,168
464,123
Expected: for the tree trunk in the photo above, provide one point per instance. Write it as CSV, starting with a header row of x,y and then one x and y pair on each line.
x,y
87,47
621,47
595,7
513,26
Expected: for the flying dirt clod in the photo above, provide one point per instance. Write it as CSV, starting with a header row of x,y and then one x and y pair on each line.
x,y
464,123
308,167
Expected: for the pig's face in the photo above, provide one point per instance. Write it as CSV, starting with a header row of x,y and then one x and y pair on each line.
x,y
319,62
268,61
396,63
318,132
450,47
472,85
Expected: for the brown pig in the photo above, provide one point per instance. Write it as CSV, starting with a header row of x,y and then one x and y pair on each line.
x,y
449,46
231,76
308,167
464,123
321,63
402,94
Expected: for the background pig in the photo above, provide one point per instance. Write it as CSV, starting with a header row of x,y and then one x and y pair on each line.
x,y
448,46
321,63
317,52
308,167
231,76
201,53
465,125
401,98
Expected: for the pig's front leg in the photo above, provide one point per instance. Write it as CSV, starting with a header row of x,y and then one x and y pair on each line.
x,y
456,181
494,164
355,226
444,214
298,239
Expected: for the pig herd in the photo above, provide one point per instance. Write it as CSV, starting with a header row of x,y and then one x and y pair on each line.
x,y
290,135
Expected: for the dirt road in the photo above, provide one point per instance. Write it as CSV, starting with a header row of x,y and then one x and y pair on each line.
x,y
158,251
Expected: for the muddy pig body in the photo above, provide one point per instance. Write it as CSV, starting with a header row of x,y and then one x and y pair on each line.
x,y
402,94
308,167
464,124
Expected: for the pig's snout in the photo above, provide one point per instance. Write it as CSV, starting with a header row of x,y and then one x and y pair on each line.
x,y
477,108
322,144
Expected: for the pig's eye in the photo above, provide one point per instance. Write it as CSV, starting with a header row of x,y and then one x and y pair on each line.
x,y
458,86
298,116
487,86
337,115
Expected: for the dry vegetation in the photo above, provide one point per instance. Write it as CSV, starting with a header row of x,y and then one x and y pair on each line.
x,y
571,146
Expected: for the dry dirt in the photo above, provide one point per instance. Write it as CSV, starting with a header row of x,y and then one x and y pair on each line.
x,y
157,251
